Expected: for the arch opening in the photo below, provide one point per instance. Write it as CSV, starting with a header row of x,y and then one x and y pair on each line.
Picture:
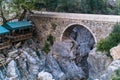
x,y
80,34
84,40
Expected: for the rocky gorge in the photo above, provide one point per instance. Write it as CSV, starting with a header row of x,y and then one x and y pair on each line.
x,y
75,58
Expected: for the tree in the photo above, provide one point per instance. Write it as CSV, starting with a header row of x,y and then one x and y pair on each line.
x,y
12,9
93,6
68,6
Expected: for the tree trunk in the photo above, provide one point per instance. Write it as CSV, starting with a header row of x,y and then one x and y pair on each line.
x,y
22,16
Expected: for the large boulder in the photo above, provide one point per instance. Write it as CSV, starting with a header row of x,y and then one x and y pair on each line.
x,y
110,70
115,52
61,51
98,62
44,76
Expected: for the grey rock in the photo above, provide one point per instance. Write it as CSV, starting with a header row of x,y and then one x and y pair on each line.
x,y
12,70
44,76
84,40
53,67
98,62
68,66
110,70
2,73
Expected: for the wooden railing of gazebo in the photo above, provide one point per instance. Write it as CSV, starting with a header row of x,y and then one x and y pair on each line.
x,y
21,37
5,44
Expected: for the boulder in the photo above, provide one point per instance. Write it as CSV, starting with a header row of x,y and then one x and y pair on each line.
x,y
115,52
62,54
44,76
98,62
110,70
12,71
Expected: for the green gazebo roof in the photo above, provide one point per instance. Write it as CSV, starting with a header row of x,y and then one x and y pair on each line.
x,y
18,25
3,30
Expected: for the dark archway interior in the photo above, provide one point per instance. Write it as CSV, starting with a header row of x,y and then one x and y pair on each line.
x,y
80,34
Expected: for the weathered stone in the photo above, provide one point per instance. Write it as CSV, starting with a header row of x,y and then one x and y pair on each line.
x,y
110,70
13,54
53,67
99,25
44,76
84,40
18,45
98,62
115,52
12,70
65,61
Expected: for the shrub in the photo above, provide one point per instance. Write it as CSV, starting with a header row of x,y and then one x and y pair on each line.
x,y
116,75
46,48
37,53
53,25
112,40
50,39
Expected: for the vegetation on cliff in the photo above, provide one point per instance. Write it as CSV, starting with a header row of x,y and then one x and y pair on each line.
x,y
112,40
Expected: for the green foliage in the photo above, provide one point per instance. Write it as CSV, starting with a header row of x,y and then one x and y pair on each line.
x,y
48,43
116,75
93,6
46,48
53,25
50,39
112,40
68,6
37,53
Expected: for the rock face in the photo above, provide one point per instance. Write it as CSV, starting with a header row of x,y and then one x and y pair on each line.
x,y
98,62
53,67
115,52
110,70
61,53
83,38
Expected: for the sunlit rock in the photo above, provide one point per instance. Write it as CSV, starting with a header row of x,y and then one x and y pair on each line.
x,y
44,76
115,52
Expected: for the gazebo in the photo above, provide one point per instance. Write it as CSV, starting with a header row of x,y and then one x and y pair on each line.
x,y
20,30
4,41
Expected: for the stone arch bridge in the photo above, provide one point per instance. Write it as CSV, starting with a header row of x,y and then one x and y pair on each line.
x,y
58,24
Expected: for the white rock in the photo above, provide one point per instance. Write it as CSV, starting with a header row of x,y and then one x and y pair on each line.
x,y
44,76
13,54
12,70
115,52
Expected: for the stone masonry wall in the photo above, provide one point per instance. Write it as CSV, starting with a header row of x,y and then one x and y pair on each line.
x,y
43,22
